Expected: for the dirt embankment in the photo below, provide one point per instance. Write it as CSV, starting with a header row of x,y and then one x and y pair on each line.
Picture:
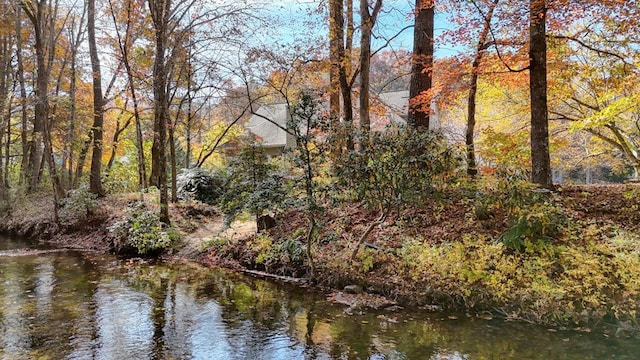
x,y
601,205
437,222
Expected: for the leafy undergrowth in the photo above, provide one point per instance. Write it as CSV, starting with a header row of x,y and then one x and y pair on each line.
x,y
572,259
32,217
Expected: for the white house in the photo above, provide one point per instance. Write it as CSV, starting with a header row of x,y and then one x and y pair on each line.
x,y
270,120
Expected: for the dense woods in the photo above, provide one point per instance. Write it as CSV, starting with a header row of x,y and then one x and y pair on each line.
x,y
501,101
179,71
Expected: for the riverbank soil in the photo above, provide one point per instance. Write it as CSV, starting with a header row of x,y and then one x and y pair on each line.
x,y
448,253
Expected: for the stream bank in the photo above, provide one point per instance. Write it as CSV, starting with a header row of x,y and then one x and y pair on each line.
x,y
440,256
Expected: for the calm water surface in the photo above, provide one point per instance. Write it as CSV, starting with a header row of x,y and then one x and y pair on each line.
x,y
79,305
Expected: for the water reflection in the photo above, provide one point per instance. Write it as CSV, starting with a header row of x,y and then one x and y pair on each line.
x,y
87,306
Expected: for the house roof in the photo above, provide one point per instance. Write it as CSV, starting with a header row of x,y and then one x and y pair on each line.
x,y
270,134
394,107
396,101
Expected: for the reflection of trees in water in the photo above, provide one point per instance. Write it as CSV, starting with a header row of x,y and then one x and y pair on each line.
x,y
103,308
35,300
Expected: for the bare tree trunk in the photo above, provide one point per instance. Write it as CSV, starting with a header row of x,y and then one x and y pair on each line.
x,y
116,138
42,102
336,44
5,101
82,158
160,13
188,124
124,45
422,64
23,99
67,160
95,177
7,154
58,190
368,20
174,167
69,153
540,159
345,73
473,88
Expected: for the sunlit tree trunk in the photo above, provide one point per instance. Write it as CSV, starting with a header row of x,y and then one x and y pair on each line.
x,y
120,128
473,88
368,20
23,99
5,108
160,13
95,176
125,44
540,159
422,63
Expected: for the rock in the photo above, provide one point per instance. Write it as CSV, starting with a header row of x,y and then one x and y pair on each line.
x,y
353,289
266,222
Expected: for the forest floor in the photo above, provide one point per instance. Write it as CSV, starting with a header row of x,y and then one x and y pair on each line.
x,y
377,267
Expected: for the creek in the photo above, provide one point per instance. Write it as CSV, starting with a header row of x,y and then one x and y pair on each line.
x,y
83,305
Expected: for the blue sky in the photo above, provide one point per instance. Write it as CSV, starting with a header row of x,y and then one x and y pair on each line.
x,y
396,15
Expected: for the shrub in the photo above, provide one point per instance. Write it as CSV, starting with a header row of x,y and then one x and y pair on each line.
x,y
532,214
560,285
78,204
398,167
199,184
254,185
539,222
141,233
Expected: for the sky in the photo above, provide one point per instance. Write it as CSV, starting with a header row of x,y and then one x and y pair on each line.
x,y
395,16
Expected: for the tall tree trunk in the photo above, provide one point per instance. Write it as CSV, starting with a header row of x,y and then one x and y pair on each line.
x,y
160,13
368,20
95,177
5,101
473,88
345,72
42,100
142,166
120,128
58,190
124,45
7,154
189,122
23,100
422,64
82,158
67,160
69,151
43,17
336,44
540,159
174,166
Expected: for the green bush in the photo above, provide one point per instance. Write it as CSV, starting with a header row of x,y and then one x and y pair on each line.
x,y
141,233
78,204
201,185
532,214
539,222
285,254
398,167
254,184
